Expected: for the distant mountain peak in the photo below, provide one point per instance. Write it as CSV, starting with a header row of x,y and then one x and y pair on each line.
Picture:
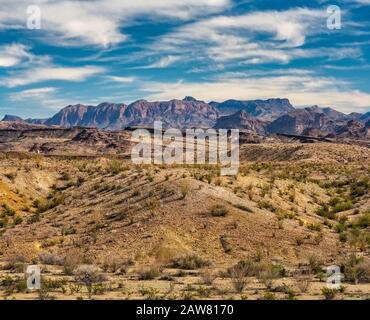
x,y
11,118
189,99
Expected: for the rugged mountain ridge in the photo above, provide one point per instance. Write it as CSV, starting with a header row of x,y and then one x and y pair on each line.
x,y
266,110
181,114
256,116
311,119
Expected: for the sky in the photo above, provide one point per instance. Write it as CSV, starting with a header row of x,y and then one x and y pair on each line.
x,y
120,51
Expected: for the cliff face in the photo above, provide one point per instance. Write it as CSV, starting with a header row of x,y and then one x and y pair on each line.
x,y
241,120
175,113
266,110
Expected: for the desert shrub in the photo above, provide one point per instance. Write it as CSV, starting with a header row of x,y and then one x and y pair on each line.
x,y
267,206
36,217
53,284
120,215
189,261
362,221
80,181
43,205
299,241
71,261
72,230
328,293
325,212
17,220
314,227
7,211
88,275
302,280
184,188
3,222
50,258
208,277
219,210
11,285
356,270
149,293
149,272
113,264
244,208
342,206
65,176
98,288
238,279
267,276
318,238
342,237
314,264
74,288
204,292
115,166
246,267
269,296
340,227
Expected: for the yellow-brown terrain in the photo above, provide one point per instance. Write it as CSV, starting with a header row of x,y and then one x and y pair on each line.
x,y
176,232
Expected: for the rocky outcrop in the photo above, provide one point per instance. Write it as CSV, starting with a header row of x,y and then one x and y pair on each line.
x,y
266,110
241,120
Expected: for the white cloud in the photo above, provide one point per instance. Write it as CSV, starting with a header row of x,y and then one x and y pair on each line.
x,y
31,93
253,38
99,22
43,98
121,79
13,54
302,90
161,63
49,73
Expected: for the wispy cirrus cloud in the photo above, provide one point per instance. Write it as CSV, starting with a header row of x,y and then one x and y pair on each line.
x,y
365,2
49,73
254,38
32,93
45,97
100,22
161,63
120,79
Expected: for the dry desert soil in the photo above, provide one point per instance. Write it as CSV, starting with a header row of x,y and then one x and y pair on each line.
x,y
103,228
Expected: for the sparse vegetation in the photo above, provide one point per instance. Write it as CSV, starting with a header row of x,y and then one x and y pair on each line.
x,y
219,210
99,223
189,261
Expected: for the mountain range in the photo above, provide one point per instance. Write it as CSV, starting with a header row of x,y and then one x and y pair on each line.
x,y
258,116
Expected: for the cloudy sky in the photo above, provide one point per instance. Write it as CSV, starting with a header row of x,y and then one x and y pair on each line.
x,y
123,50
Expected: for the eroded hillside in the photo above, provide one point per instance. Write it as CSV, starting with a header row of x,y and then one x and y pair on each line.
x,y
304,207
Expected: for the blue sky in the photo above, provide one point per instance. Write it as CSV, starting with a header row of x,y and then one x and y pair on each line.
x,y
122,50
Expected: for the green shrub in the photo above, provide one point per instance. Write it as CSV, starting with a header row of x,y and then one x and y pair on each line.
x,y
328,293
189,261
314,227
243,207
362,221
219,210
17,220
